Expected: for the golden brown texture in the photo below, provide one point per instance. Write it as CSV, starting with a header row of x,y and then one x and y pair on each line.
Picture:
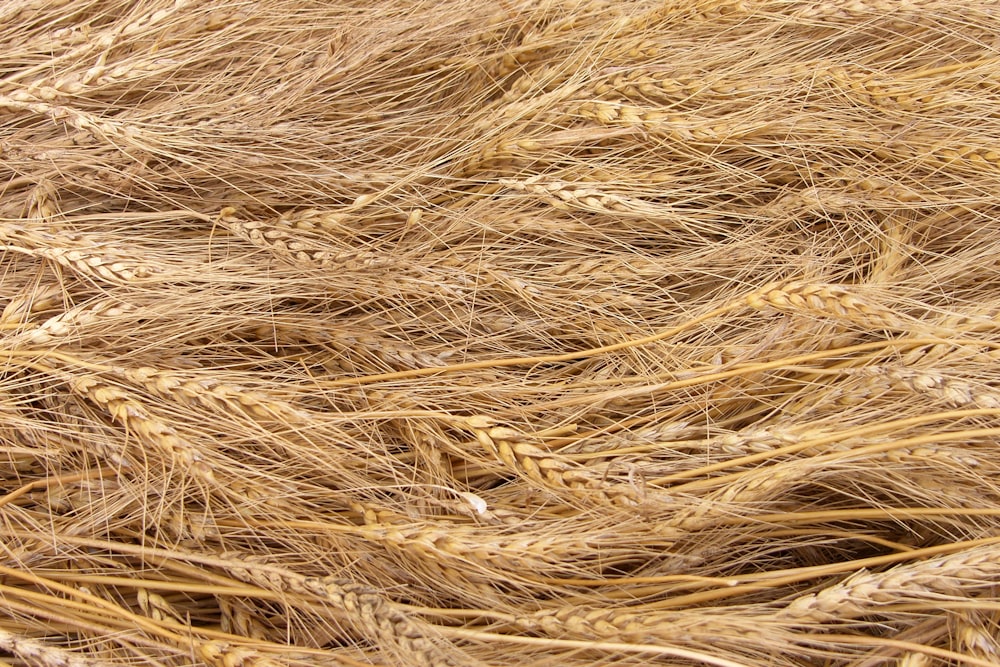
x,y
559,332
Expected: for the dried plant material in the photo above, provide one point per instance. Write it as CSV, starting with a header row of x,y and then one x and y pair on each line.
x,y
531,332
36,653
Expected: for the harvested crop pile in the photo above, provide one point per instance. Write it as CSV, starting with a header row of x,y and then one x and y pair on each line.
x,y
499,333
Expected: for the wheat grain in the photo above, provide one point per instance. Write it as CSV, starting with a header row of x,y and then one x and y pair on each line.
x,y
914,660
33,299
42,205
222,654
975,635
238,620
156,606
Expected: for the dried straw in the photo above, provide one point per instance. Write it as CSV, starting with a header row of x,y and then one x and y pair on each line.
x,y
575,332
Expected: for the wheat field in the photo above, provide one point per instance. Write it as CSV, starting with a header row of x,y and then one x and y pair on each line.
x,y
518,333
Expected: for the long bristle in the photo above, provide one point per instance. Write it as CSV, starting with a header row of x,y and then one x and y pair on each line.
x,y
559,332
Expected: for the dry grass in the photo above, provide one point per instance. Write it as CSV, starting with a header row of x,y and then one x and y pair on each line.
x,y
553,332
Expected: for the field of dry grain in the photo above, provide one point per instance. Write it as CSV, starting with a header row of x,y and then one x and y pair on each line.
x,y
508,333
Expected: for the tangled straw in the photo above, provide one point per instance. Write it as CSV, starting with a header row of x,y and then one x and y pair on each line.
x,y
576,332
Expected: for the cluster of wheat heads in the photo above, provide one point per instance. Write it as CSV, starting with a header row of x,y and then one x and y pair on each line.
x,y
539,332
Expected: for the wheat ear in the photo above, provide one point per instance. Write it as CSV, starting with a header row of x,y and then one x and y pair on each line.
x,y
825,300
299,244
61,327
669,125
568,196
848,10
372,614
39,654
952,391
75,252
151,430
101,129
212,393
224,654
956,574
549,470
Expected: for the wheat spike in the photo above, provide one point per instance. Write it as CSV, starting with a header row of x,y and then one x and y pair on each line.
x,y
151,430
296,245
74,321
369,611
39,654
222,654
212,393
824,300
863,592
